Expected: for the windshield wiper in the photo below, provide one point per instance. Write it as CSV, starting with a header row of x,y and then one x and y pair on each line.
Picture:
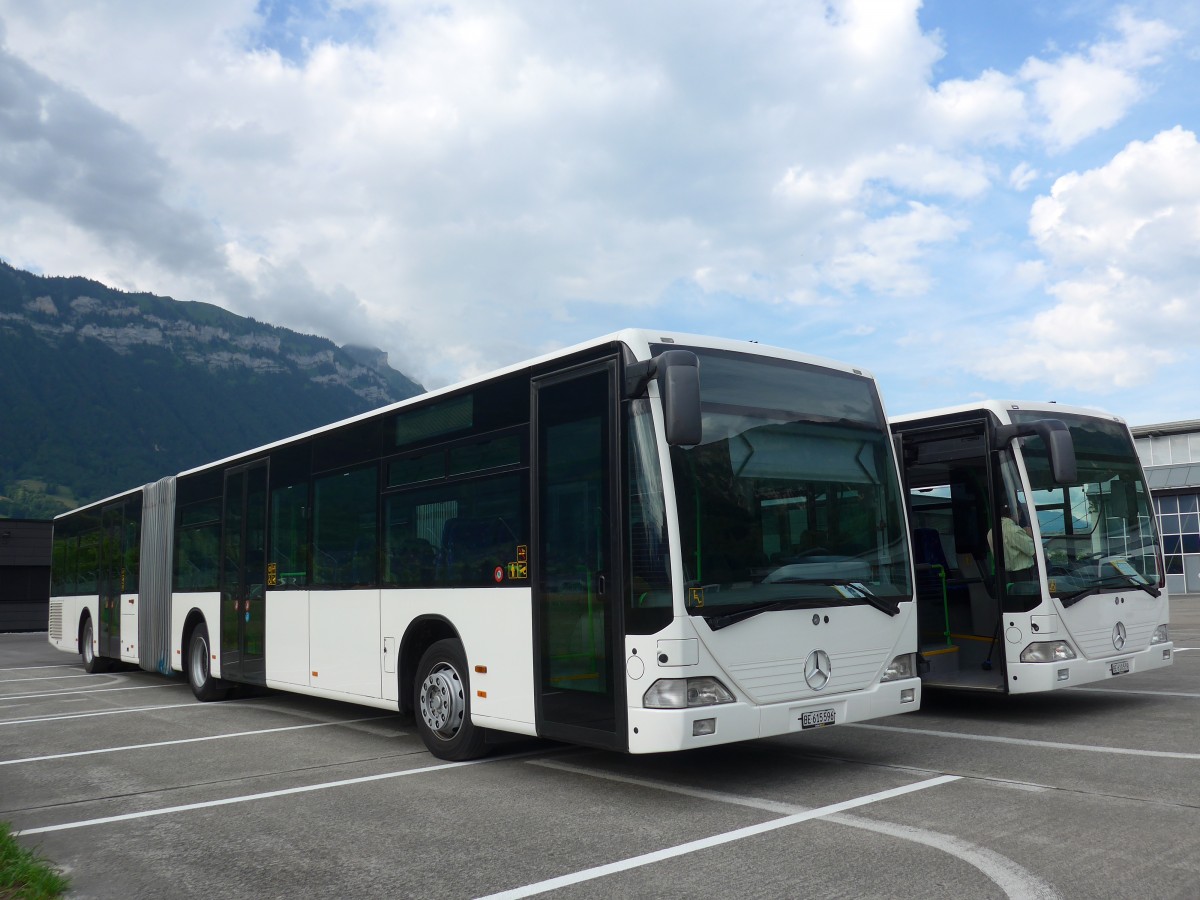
x,y
724,621
1126,581
849,590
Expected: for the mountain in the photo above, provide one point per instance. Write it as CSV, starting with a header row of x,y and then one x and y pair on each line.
x,y
102,390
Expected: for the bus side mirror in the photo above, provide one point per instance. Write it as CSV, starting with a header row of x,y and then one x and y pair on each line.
x,y
678,374
1060,447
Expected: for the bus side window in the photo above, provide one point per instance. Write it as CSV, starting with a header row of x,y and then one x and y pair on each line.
x,y
344,527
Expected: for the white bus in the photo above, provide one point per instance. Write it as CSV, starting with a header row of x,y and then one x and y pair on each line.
x,y
646,543
1073,590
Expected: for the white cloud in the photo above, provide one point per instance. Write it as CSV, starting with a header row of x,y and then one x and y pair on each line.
x,y
1122,262
886,253
1079,94
1022,176
986,110
922,171
1137,213
541,171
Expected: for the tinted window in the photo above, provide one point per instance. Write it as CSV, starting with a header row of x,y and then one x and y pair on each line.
x,y
344,528
456,534
197,546
287,561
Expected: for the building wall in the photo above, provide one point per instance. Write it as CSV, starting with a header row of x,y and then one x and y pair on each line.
x,y
25,547
1170,454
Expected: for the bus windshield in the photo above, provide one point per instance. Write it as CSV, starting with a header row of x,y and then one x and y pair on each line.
x,y
791,499
1099,534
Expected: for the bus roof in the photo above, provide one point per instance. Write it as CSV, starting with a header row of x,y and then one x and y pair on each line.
x,y
104,502
1002,408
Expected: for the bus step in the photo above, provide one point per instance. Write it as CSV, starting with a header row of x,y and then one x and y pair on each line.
x,y
942,658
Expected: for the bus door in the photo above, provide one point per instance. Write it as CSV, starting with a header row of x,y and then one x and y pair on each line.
x,y
112,575
948,478
576,570
243,574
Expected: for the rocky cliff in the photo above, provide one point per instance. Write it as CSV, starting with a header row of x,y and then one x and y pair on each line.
x,y
101,390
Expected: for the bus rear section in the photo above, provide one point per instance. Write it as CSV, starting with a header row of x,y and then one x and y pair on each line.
x,y
1036,549
95,574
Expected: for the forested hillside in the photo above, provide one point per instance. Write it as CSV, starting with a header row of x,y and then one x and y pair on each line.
x,y
102,390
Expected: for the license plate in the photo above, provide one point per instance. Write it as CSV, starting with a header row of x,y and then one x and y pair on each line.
x,y
818,718
1120,667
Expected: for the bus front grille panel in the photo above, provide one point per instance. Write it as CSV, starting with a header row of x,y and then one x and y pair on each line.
x,y
1098,642
778,681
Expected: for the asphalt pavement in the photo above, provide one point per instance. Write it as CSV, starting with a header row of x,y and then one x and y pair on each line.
x,y
137,790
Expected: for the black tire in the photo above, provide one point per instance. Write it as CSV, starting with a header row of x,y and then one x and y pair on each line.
x,y
92,663
199,672
442,704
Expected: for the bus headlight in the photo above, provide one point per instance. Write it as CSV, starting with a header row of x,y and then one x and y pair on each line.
x,y
681,693
1161,635
1049,651
903,666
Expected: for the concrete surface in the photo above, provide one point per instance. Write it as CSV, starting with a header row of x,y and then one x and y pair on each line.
x,y
139,791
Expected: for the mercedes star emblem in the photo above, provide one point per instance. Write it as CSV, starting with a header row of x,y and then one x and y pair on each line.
x,y
817,669
1119,635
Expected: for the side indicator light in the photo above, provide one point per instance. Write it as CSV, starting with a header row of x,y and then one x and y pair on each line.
x,y
482,670
482,694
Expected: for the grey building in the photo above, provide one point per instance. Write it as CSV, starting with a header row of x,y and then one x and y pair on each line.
x,y
24,574
1170,453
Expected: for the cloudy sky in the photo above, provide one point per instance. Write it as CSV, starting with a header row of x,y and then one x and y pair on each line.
x,y
970,199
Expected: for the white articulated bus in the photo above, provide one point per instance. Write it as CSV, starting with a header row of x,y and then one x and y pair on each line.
x,y
647,543
1072,590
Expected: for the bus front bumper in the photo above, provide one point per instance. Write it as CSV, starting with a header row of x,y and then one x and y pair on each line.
x,y
662,730
1028,678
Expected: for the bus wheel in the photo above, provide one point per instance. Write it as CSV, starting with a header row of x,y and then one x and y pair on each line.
x,y
200,676
91,662
443,704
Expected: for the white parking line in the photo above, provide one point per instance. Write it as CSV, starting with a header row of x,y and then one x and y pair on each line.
x,y
212,737
144,687
266,795
55,666
1017,882
1025,742
1088,690
646,859
50,678
116,712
